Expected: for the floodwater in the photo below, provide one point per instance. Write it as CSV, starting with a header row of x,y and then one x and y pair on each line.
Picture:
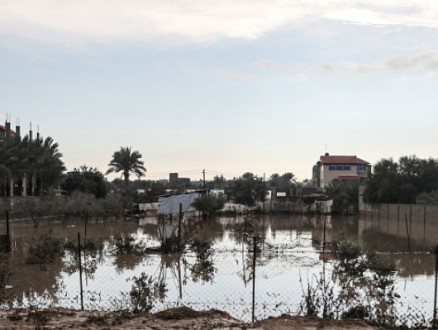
x,y
290,258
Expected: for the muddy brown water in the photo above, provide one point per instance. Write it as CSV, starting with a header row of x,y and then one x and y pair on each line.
x,y
291,257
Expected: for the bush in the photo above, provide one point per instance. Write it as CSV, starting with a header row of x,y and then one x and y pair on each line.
x,y
145,292
362,286
47,250
84,205
209,204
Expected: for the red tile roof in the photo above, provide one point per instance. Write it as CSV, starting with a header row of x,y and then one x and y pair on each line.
x,y
342,160
3,129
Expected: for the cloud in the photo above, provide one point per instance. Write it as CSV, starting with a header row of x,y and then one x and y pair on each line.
x,y
238,76
424,62
66,21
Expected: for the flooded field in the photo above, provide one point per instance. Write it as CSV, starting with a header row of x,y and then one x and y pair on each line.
x,y
220,276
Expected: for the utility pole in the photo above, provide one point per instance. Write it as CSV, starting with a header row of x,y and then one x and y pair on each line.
x,y
203,178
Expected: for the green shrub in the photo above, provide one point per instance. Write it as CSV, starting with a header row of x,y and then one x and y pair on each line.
x,y
145,291
47,250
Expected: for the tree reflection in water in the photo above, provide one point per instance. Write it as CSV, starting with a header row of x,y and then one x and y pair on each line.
x,y
128,252
202,269
92,254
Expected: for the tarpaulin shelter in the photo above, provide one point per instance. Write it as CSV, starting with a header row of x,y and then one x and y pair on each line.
x,y
170,204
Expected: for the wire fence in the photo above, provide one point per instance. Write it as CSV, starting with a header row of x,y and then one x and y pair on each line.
x,y
253,278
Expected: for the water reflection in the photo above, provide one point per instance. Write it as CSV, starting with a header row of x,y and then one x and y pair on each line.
x,y
219,259
202,269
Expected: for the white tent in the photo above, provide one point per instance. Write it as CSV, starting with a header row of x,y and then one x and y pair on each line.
x,y
170,204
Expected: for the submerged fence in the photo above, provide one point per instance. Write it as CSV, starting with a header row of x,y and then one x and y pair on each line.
x,y
258,275
417,225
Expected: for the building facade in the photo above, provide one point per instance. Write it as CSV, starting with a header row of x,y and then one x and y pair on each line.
x,y
330,168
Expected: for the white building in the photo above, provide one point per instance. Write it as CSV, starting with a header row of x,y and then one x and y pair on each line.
x,y
329,168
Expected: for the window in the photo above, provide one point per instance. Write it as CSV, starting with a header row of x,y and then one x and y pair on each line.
x,y
361,168
340,167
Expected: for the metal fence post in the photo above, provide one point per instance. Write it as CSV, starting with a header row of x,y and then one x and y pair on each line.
x,y
407,232
80,272
8,233
424,227
434,321
179,226
254,278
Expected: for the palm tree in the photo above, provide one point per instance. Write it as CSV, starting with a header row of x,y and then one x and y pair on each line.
x,y
127,162
7,160
51,166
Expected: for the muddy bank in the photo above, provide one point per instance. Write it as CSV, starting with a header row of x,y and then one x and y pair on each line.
x,y
177,318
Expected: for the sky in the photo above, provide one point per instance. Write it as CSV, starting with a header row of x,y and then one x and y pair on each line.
x,y
229,86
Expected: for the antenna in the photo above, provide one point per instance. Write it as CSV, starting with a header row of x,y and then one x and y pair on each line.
x,y
325,150
30,125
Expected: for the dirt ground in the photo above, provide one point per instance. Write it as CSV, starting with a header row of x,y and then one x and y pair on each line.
x,y
177,318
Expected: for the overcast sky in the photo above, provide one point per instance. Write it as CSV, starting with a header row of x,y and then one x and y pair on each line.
x,y
228,86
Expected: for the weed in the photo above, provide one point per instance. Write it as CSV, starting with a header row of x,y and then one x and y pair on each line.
x,y
145,291
361,286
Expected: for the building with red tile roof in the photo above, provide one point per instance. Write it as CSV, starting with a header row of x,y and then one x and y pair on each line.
x,y
332,167
6,131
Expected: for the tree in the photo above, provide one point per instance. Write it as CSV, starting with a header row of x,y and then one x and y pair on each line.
x,y
127,162
151,192
282,182
401,182
428,198
38,160
51,166
209,203
344,194
8,158
85,179
247,189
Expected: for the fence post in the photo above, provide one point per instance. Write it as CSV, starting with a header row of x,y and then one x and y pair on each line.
x,y
410,218
324,312
8,233
398,219
424,227
179,226
80,272
434,321
407,232
254,278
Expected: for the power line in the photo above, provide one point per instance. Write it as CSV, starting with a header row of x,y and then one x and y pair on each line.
x,y
200,172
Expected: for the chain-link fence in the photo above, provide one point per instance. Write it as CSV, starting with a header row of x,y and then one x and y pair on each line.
x,y
249,273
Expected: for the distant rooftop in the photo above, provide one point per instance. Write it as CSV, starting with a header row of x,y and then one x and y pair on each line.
x,y
3,129
327,159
